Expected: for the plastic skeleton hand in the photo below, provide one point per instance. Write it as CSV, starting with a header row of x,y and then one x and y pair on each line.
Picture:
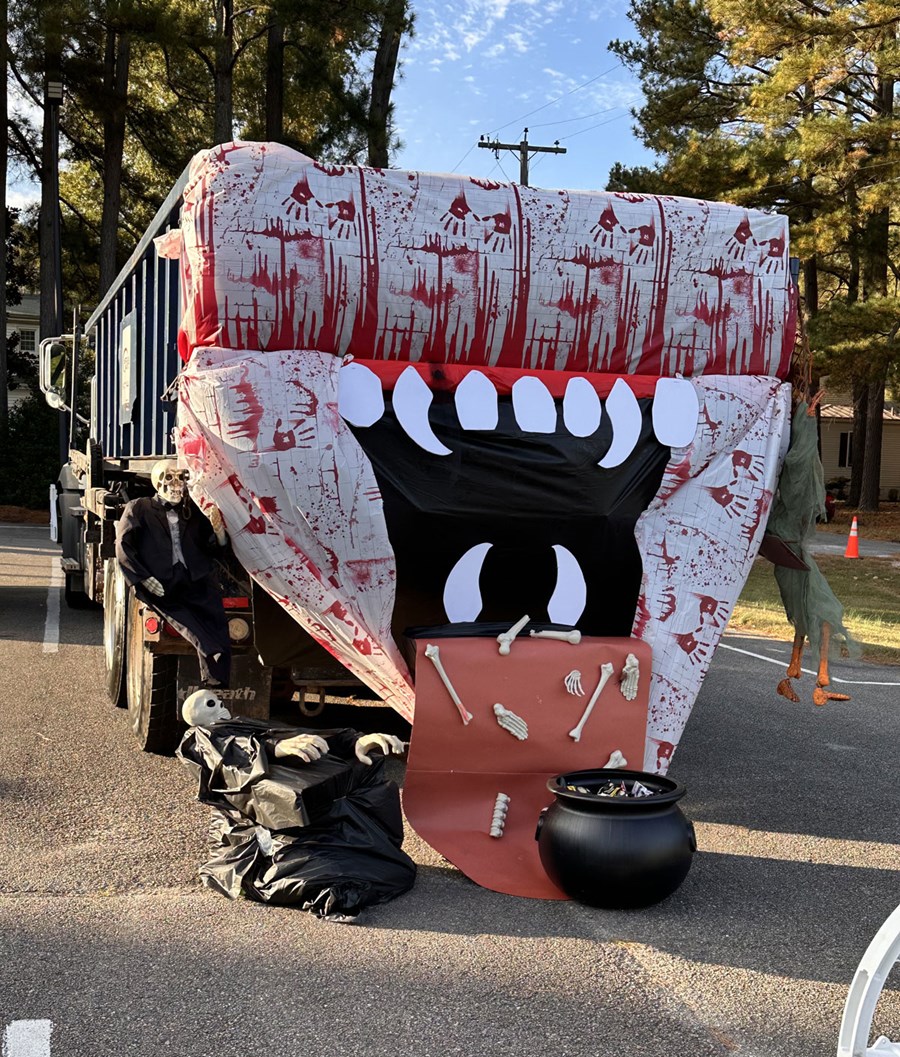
x,y
153,586
218,524
386,742
307,747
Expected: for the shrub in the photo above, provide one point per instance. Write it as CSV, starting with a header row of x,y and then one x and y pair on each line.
x,y
29,456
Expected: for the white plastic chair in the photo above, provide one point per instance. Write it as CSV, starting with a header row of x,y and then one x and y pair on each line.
x,y
868,982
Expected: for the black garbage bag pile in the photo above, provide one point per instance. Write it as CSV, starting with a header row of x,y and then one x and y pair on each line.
x,y
325,836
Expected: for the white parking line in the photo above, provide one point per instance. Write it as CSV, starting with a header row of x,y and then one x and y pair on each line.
x,y
807,671
51,625
27,1038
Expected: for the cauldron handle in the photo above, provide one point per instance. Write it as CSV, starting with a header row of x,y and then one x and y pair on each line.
x,y
540,823
691,834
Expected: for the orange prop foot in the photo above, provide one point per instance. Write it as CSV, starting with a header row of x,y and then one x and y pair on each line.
x,y
786,690
822,696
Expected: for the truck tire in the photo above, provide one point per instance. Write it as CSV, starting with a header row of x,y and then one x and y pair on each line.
x,y
150,686
115,610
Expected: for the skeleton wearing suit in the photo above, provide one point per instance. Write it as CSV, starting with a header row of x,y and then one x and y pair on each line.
x,y
165,547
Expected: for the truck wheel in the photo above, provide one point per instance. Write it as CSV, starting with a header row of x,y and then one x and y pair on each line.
x,y
115,607
150,680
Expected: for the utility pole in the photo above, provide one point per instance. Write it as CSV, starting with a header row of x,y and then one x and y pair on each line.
x,y
521,148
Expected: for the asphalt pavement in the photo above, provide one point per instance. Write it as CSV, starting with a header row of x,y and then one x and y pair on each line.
x,y
109,938
834,544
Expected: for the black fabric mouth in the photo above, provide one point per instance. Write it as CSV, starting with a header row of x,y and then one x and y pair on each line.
x,y
523,493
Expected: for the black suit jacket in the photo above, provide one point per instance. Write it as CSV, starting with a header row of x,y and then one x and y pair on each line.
x,y
144,542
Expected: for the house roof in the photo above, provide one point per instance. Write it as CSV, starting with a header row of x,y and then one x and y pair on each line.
x,y
845,412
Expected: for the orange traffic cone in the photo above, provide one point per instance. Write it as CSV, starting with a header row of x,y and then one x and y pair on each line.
x,y
852,550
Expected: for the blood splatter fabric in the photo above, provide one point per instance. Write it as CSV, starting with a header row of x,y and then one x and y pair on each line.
x,y
283,253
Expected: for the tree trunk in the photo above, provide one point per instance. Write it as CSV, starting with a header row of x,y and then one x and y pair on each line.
x,y
383,70
4,234
115,75
875,279
860,420
871,456
275,80
811,286
49,224
224,75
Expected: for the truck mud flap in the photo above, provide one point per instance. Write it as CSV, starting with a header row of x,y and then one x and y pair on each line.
x,y
251,685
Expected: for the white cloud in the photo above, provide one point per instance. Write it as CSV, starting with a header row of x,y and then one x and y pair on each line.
x,y
22,196
517,40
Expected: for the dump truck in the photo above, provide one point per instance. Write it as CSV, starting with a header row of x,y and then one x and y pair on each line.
x,y
430,401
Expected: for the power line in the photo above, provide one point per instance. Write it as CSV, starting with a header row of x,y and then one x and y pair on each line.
x,y
565,95
569,120
463,158
572,135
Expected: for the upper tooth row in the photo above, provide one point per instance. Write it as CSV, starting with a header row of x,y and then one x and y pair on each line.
x,y
675,408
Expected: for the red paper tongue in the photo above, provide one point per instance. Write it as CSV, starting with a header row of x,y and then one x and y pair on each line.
x,y
456,770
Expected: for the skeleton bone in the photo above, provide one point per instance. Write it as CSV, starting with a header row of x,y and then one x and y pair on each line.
x,y
511,722
434,655
506,638
573,637
498,821
606,671
573,683
629,677
615,761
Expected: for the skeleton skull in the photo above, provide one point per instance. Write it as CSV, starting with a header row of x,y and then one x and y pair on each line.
x,y
202,708
168,481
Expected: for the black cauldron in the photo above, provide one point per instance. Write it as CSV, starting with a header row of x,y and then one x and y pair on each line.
x,y
615,852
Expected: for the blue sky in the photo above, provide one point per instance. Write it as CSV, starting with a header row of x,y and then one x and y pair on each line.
x,y
481,66
492,67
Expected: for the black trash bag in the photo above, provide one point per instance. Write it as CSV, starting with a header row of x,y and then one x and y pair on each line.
x,y
325,836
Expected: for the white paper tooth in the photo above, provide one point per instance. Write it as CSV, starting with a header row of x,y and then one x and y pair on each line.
x,y
510,722
570,594
462,591
606,671
360,399
582,410
412,399
476,402
676,410
629,678
505,639
615,761
434,655
624,414
572,637
533,406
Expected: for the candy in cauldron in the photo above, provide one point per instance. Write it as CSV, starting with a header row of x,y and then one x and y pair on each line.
x,y
615,851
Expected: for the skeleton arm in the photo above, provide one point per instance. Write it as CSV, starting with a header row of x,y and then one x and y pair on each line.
x,y
387,743
218,525
307,747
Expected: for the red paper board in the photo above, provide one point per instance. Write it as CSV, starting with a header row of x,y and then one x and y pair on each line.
x,y
455,770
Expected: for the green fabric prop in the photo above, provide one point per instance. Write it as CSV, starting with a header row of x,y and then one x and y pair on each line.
x,y
799,499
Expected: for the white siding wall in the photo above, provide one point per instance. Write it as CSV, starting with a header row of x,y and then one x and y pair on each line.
x,y
890,452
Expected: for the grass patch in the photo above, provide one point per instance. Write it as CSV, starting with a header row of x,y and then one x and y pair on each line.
x,y
883,524
869,589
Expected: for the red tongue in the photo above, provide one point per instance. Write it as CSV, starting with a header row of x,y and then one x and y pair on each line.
x,y
455,771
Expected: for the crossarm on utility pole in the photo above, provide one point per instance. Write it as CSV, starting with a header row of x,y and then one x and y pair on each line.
x,y
521,148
